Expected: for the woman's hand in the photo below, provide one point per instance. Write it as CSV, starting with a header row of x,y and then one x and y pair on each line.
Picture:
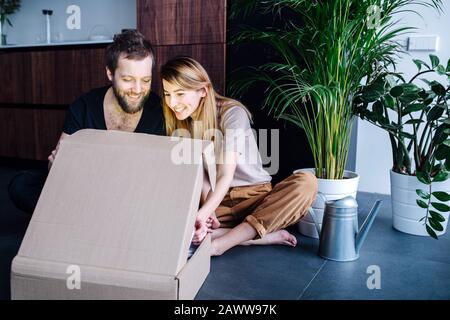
x,y
201,230
212,222
206,219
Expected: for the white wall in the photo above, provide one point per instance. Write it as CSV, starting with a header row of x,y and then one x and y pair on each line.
x,y
29,24
373,153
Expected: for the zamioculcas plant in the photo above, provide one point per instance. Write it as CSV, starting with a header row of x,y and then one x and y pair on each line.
x,y
418,123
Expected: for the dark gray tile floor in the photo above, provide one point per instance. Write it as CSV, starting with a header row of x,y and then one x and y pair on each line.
x,y
410,267
13,224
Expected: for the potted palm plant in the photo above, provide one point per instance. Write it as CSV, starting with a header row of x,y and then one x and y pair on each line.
x,y
325,50
7,8
417,120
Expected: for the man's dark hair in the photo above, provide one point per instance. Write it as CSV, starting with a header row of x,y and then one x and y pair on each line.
x,y
132,44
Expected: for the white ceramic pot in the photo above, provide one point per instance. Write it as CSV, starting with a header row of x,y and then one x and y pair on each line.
x,y
406,214
332,190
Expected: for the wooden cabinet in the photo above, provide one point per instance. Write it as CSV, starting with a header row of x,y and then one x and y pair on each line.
x,y
175,22
39,83
29,133
15,77
17,133
50,76
187,27
60,76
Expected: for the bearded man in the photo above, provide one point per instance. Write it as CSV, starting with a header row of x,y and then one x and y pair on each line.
x,y
126,105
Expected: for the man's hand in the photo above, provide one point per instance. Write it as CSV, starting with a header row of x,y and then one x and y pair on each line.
x,y
51,158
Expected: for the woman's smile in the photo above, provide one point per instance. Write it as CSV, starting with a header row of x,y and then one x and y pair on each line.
x,y
179,109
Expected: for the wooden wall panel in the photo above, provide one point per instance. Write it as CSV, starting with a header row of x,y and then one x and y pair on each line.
x,y
176,22
209,55
15,77
49,125
29,133
50,76
85,68
17,133
43,77
60,76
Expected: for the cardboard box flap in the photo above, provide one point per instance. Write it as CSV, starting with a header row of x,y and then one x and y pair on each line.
x,y
38,269
118,200
194,273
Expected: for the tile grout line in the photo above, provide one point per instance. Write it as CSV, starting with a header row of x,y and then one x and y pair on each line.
x,y
309,283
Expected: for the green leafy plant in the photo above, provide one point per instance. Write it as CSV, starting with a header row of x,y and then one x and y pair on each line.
x,y
7,8
325,49
417,120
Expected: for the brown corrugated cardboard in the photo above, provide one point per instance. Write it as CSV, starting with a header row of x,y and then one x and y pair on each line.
x,y
120,207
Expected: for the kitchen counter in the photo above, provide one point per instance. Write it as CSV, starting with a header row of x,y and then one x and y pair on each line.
x,y
54,44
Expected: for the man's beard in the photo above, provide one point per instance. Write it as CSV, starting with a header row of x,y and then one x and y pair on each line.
x,y
123,103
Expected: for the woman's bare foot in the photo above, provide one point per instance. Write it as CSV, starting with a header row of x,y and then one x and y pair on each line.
x,y
217,233
277,237
281,237
232,237
215,251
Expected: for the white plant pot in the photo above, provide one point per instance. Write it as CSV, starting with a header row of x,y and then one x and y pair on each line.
x,y
332,190
406,214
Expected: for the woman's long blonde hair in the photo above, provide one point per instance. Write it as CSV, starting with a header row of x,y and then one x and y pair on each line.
x,y
188,74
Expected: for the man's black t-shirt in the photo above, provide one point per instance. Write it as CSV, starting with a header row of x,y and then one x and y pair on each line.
x,y
84,113
87,113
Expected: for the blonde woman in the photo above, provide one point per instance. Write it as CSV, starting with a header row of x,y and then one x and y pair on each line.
x,y
243,209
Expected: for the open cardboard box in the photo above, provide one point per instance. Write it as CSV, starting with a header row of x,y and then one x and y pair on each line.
x,y
115,220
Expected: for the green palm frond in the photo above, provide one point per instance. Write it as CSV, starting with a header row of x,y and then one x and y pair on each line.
x,y
326,48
